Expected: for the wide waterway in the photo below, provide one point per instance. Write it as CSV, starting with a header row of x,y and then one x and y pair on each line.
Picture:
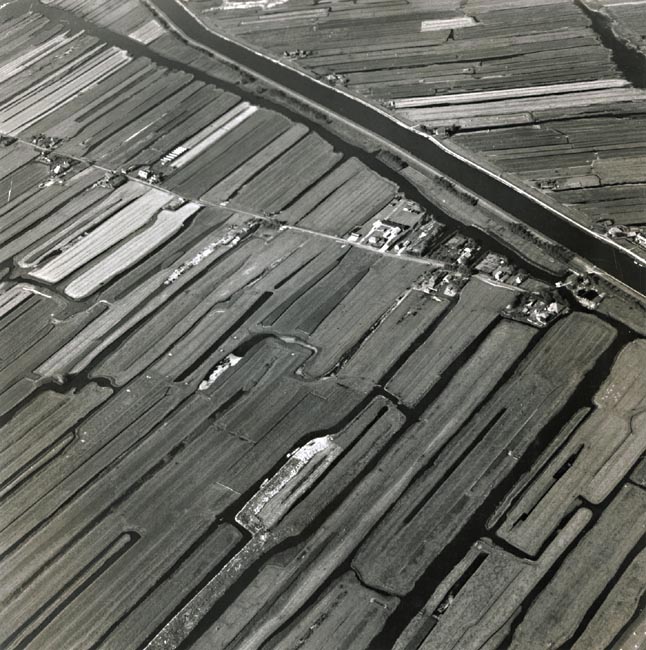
x,y
606,256
136,49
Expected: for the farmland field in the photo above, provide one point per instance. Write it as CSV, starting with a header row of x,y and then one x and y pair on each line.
x,y
539,90
260,388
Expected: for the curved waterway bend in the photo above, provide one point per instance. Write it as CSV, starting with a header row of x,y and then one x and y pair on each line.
x,y
605,254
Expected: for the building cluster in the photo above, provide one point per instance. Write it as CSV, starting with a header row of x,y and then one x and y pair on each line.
x,y
45,142
409,229
444,281
112,180
500,269
59,166
636,234
403,227
148,174
233,236
438,131
296,54
336,79
381,236
538,308
423,238
459,250
583,289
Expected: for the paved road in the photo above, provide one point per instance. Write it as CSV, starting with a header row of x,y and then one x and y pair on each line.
x,y
604,253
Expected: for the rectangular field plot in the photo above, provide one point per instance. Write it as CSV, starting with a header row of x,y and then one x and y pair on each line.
x,y
258,391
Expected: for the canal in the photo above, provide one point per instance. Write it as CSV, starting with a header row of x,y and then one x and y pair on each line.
x,y
606,256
